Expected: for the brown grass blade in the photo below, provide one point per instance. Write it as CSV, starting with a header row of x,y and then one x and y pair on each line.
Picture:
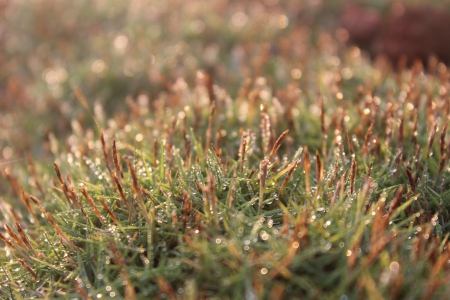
x,y
58,230
277,144
92,204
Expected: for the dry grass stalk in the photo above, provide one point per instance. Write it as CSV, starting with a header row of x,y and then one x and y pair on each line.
x,y
307,166
187,144
286,223
108,210
322,126
187,208
14,236
174,220
290,169
379,223
302,228
411,179
148,194
350,145
138,192
64,186
58,230
431,139
198,186
155,153
11,245
233,190
27,267
252,172
92,204
81,291
366,140
441,166
335,175
120,191
209,84
198,222
396,202
266,130
217,140
217,153
21,232
442,143
353,176
243,149
166,288
414,130
116,159
187,148
369,173
398,159
210,126
277,144
441,262
339,192
105,153
76,200
319,170
262,181
24,196
401,132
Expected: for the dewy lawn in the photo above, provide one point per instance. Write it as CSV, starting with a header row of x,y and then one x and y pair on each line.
x,y
180,150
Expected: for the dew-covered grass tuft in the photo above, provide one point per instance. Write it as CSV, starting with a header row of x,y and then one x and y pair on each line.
x,y
232,154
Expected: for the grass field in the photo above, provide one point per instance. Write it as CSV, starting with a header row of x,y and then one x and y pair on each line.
x,y
216,150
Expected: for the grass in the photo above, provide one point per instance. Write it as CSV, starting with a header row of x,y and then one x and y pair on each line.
x,y
263,172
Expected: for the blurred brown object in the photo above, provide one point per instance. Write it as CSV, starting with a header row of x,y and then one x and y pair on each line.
x,y
410,32
362,24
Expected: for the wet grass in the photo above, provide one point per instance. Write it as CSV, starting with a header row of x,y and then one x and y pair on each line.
x,y
317,178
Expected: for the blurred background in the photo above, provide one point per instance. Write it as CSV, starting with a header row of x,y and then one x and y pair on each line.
x,y
61,60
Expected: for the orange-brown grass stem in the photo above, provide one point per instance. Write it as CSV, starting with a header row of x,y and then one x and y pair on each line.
x,y
27,267
137,191
92,204
11,245
58,230
290,169
431,139
277,144
108,210
120,191
366,140
210,126
24,196
105,153
307,166
116,159
243,149
353,176
262,181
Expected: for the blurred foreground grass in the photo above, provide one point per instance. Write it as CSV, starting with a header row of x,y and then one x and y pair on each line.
x,y
175,175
